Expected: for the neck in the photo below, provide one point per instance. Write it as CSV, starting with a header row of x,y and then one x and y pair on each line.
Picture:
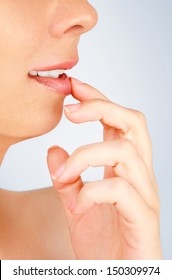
x,y
5,143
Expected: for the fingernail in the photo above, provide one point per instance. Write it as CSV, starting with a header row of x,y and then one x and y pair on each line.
x,y
72,108
53,147
77,81
58,172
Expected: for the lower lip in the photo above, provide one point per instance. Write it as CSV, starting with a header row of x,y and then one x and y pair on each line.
x,y
61,84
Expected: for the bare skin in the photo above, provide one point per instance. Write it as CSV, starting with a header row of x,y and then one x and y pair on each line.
x,y
114,218
33,226
34,34
118,216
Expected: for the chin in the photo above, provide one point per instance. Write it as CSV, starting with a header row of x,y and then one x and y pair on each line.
x,y
44,127
34,128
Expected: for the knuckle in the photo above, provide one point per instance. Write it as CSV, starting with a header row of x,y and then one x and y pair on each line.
x,y
97,102
81,150
120,169
123,187
79,157
126,148
139,116
86,191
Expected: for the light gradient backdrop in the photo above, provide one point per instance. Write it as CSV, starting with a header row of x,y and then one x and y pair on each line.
x,y
128,56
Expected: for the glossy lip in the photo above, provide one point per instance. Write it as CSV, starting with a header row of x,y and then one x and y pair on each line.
x,y
62,66
60,85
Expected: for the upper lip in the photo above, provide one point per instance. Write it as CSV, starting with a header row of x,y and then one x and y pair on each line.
x,y
61,66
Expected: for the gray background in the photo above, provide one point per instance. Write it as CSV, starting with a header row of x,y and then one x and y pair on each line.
x,y
127,57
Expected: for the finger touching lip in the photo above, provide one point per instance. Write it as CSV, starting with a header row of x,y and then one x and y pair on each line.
x,y
82,91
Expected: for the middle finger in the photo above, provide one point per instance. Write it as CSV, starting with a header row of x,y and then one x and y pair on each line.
x,y
121,155
126,121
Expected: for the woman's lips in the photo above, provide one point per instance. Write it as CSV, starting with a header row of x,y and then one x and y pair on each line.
x,y
68,64
61,85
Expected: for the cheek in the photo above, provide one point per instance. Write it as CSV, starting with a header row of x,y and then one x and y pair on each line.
x,y
17,40
14,30
26,109
22,29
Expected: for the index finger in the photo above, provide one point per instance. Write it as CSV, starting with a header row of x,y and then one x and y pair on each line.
x,y
85,94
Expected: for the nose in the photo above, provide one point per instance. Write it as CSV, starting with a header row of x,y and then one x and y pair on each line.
x,y
72,17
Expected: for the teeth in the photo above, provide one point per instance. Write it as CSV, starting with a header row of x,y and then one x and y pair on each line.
x,y
33,73
52,73
55,73
43,73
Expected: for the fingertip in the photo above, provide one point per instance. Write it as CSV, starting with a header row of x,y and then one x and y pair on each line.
x,y
83,91
76,81
72,108
52,148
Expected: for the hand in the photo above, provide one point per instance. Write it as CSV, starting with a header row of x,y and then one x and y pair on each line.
x,y
118,216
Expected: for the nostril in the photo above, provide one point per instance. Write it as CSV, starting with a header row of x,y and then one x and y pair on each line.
x,y
73,19
76,29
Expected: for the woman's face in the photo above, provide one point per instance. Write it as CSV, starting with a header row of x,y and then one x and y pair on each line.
x,y
35,34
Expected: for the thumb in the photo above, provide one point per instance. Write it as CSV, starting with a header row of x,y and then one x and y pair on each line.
x,y
67,192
